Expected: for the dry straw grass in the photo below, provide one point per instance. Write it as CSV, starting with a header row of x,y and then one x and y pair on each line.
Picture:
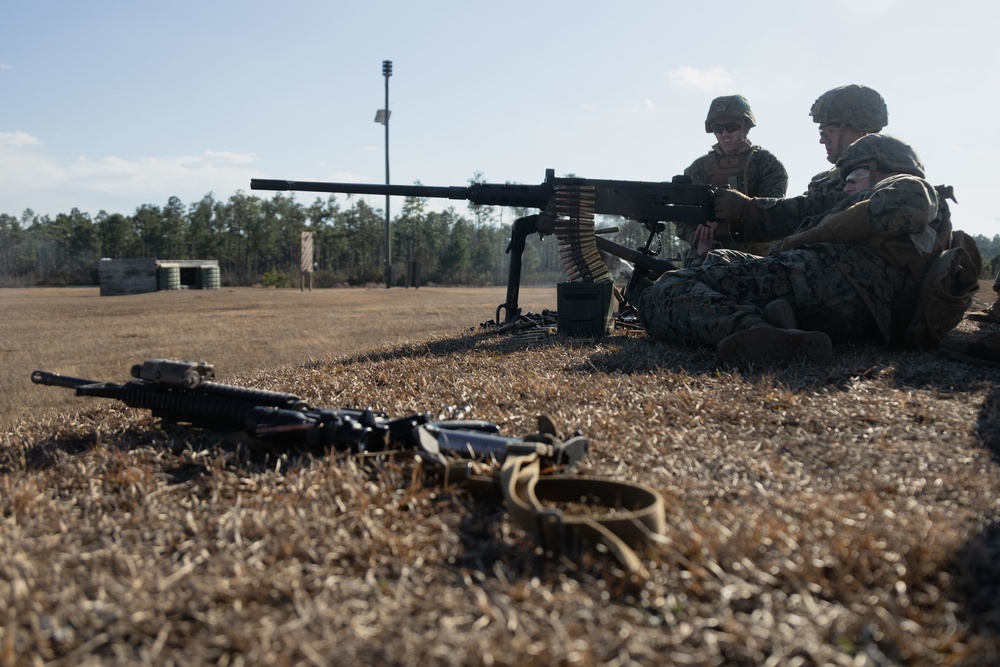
x,y
843,515
75,331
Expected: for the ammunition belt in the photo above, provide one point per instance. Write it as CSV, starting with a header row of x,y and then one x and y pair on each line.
x,y
574,228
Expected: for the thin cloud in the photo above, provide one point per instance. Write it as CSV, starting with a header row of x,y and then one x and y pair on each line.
x,y
118,175
2,66
229,157
346,177
28,179
712,80
18,139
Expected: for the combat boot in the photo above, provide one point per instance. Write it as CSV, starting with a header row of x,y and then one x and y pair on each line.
x,y
770,346
779,313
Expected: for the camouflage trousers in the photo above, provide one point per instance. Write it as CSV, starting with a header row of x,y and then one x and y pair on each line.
x,y
728,292
690,258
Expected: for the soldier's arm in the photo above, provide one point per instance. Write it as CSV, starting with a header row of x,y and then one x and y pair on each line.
x,y
768,178
773,219
901,205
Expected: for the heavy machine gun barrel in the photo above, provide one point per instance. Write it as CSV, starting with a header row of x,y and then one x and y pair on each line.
x,y
638,200
485,194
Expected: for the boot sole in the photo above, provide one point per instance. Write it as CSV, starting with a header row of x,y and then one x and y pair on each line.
x,y
769,346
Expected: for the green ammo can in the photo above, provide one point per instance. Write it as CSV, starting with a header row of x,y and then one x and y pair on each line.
x,y
585,309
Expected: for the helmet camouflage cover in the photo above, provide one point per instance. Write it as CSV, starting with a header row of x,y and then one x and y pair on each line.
x,y
882,152
858,106
730,106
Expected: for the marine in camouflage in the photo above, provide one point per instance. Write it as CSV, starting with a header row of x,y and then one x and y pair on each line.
x,y
759,173
756,171
853,105
861,291
705,304
751,170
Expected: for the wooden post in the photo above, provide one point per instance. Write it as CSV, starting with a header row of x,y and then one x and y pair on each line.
x,y
307,261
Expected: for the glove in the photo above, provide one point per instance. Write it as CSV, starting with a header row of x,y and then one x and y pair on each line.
x,y
848,225
734,205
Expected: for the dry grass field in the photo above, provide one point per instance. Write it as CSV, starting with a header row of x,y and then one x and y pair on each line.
x,y
841,515
75,331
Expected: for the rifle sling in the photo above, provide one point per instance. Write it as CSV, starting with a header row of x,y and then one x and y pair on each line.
x,y
634,512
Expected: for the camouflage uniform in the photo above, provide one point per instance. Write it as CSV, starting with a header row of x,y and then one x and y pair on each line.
x,y
861,290
759,172
825,189
857,106
753,171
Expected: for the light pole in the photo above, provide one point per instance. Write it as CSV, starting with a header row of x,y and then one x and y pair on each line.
x,y
382,116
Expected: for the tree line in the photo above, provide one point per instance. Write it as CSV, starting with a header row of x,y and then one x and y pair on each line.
x,y
258,241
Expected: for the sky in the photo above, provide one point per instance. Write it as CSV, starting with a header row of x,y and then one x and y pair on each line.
x,y
111,105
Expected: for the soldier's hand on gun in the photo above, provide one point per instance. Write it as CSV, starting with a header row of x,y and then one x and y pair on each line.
x,y
733,205
704,237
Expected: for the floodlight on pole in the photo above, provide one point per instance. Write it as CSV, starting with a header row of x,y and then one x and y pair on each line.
x,y
382,116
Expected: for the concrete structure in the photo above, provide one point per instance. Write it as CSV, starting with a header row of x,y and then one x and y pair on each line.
x,y
135,276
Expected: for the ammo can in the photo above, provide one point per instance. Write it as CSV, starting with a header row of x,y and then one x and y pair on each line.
x,y
585,309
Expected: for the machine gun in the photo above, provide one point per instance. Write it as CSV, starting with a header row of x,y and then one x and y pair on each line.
x,y
184,392
567,208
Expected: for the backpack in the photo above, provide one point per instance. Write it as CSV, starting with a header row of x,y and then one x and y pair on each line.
x,y
945,293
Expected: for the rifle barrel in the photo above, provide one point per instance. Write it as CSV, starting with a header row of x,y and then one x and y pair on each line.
x,y
448,192
57,380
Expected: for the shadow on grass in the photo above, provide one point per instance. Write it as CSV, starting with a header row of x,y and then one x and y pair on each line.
x,y
975,565
189,455
950,377
988,423
439,347
44,454
194,451
976,582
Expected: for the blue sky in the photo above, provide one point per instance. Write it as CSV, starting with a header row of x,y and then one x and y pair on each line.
x,y
112,105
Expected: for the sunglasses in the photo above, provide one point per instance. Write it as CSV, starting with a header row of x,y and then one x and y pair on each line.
x,y
719,128
826,133
857,176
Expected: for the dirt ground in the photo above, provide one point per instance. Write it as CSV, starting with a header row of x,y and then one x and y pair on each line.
x,y
814,515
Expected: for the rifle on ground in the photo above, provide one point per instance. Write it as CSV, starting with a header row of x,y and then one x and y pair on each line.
x,y
567,208
183,392
620,515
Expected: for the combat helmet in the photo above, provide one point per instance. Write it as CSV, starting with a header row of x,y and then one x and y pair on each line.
x,y
730,106
880,152
858,106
